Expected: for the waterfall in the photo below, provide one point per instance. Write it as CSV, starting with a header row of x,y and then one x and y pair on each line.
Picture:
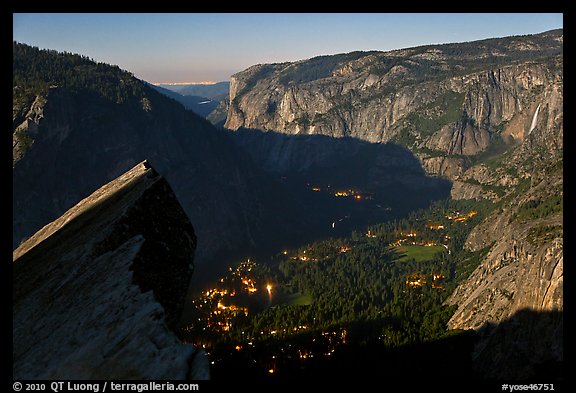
x,y
534,120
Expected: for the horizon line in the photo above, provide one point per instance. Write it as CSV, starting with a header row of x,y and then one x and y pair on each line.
x,y
187,83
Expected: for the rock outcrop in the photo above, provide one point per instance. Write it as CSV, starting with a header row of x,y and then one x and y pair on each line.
x,y
514,299
96,292
513,276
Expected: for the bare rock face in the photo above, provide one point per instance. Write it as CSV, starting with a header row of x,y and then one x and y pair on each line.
x,y
97,290
26,127
448,166
451,105
375,96
514,299
515,275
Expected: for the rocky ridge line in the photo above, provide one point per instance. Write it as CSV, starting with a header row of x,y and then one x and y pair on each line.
x,y
96,292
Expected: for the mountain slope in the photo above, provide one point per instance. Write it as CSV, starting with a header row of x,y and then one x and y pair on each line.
x,y
78,124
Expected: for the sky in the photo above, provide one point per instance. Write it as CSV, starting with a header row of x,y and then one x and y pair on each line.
x,y
162,47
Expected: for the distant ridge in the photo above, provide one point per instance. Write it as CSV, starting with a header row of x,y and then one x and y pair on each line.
x,y
184,83
212,90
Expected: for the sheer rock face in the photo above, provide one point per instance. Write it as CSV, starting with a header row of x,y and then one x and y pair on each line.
x,y
25,132
442,102
514,299
96,291
486,99
515,275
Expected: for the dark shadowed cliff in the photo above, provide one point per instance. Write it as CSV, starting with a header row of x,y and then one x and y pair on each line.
x,y
97,291
79,124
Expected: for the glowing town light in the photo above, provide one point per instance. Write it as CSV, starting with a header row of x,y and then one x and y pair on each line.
x,y
269,289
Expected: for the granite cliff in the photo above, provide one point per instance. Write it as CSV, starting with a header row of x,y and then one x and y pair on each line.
x,y
487,115
451,105
519,284
97,292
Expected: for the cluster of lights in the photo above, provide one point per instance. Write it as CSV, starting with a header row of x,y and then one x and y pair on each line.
x,y
435,226
218,314
370,234
343,249
418,280
457,216
343,193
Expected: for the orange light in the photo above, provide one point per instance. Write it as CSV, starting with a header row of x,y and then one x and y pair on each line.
x,y
271,371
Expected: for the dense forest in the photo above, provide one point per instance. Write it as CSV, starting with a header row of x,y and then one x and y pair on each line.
x,y
35,70
382,288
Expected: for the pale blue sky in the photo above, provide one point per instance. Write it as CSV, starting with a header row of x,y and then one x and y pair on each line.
x,y
200,47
